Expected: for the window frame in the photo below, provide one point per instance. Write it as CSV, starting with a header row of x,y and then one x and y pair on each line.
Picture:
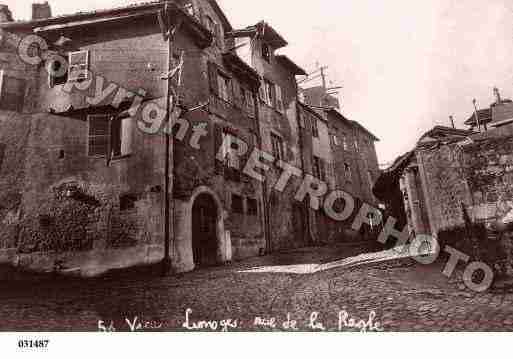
x,y
70,66
232,208
108,135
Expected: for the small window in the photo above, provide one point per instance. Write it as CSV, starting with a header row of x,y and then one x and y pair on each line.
x,y
12,93
335,140
55,68
210,24
277,145
347,169
98,141
252,207
121,133
266,53
127,202
356,145
318,168
250,103
107,133
224,87
344,142
315,128
78,65
237,205
189,8
269,93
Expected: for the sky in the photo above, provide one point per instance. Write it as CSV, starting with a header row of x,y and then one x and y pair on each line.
x,y
405,66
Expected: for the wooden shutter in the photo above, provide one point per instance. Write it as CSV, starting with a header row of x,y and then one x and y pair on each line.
x,y
99,135
218,142
212,77
272,102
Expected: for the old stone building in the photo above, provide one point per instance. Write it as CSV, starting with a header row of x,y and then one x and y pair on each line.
x,y
455,182
83,144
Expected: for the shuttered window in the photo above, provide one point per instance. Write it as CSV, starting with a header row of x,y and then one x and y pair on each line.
x,y
12,93
78,65
99,135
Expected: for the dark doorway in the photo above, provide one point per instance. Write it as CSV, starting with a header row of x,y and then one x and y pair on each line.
x,y
204,231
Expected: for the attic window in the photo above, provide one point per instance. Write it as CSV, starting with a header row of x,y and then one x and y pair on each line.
x,y
266,53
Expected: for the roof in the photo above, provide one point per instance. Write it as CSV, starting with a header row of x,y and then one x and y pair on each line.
x,y
484,115
311,110
442,132
287,62
336,113
83,15
263,30
240,67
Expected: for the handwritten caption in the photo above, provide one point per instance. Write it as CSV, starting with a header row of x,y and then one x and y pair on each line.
x,y
315,322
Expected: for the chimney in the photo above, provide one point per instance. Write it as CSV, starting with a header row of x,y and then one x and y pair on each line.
x,y
5,14
41,11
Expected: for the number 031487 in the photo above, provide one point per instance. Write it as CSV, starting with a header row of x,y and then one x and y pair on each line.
x,y
33,344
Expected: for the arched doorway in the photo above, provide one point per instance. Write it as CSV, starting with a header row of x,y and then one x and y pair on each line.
x,y
204,231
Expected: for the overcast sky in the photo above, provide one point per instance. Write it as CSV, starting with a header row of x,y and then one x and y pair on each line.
x,y
405,65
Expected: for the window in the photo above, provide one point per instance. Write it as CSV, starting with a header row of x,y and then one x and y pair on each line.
x,y
189,7
121,137
318,168
12,93
210,24
78,65
224,87
279,99
347,169
237,205
335,140
98,143
269,93
55,68
315,128
108,133
344,142
266,53
252,206
127,202
250,103
356,146
277,145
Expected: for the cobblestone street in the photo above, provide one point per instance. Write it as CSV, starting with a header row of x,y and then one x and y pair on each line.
x,y
404,295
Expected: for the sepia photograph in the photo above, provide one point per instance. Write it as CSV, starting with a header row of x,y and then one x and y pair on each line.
x,y
203,166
